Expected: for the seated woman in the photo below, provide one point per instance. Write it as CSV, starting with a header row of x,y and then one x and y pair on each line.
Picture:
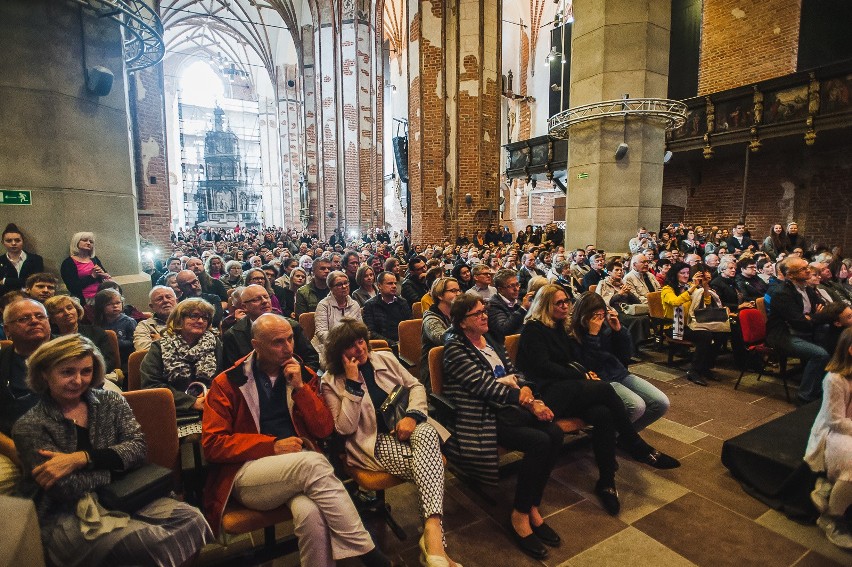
x,y
298,278
462,274
829,449
677,292
477,376
233,276
333,308
109,316
357,383
215,267
188,352
66,314
436,321
545,354
365,277
71,443
616,293
82,271
602,345
432,274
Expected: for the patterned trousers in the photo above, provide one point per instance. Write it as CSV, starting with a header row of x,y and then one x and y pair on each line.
x,y
418,460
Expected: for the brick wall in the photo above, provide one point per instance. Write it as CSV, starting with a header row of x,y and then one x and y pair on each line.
x,y
147,101
809,185
744,41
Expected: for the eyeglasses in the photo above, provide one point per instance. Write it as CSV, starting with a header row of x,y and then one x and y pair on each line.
x,y
257,299
515,285
341,284
257,279
598,315
31,317
561,303
453,290
481,313
197,316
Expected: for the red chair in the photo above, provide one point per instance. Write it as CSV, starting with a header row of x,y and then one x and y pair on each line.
x,y
753,327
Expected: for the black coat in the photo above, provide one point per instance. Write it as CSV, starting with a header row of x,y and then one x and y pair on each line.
x,y
12,280
544,354
504,320
786,315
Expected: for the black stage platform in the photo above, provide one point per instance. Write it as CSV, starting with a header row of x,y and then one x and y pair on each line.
x,y
767,461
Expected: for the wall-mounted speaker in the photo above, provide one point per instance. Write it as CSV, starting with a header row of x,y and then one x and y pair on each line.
x,y
667,157
400,153
99,81
621,151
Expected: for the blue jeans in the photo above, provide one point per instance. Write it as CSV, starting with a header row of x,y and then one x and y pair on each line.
x,y
644,402
815,358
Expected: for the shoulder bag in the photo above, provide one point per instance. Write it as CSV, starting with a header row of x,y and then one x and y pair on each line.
x,y
713,317
394,407
137,488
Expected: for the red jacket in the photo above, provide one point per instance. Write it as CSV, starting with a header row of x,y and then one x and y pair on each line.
x,y
230,435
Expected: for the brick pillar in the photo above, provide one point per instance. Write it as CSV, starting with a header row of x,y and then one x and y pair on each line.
x,y
454,110
293,140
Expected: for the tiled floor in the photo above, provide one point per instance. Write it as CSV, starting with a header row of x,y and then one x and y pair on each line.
x,y
694,515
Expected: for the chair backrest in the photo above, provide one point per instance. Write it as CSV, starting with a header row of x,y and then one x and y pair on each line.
x,y
753,326
511,344
760,305
308,324
5,343
436,369
417,310
409,341
655,305
113,342
155,411
593,288
379,344
134,374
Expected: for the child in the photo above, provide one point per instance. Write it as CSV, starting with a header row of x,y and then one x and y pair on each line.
x,y
109,315
830,447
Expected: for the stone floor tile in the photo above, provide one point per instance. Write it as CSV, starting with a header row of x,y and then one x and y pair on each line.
x,y
808,535
676,431
628,547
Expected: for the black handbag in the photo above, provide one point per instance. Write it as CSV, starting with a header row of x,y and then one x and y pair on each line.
x,y
394,407
137,488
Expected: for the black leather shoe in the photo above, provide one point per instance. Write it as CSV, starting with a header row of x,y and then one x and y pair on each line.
x,y
659,460
609,499
710,375
530,544
546,534
694,377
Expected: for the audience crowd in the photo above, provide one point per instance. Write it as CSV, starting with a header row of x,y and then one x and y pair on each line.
x,y
277,345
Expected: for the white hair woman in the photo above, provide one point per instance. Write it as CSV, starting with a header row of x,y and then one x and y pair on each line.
x,y
82,271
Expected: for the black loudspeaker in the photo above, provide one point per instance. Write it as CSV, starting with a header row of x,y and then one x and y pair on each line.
x,y
400,152
621,151
99,81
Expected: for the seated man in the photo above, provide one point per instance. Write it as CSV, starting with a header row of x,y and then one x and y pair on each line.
x,y
789,327
383,313
208,284
505,313
414,285
190,286
41,286
482,287
595,274
237,340
579,267
256,418
315,290
528,271
162,301
27,326
749,284
640,281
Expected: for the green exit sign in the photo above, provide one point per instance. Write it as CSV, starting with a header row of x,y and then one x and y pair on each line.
x,y
9,197
583,175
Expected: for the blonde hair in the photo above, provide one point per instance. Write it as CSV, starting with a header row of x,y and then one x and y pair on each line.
x,y
75,241
174,324
542,304
439,286
536,283
52,353
57,302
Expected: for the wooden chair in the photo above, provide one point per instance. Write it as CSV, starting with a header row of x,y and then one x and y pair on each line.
x,y
134,375
593,288
571,425
659,320
378,481
410,346
113,342
380,344
5,343
308,323
155,411
760,305
417,310
753,327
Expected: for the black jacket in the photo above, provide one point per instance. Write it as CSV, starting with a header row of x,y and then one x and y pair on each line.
x,y
786,315
504,320
237,344
73,281
544,354
12,281
726,288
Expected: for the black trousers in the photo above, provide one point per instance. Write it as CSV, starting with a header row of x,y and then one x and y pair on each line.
x,y
707,348
540,442
596,403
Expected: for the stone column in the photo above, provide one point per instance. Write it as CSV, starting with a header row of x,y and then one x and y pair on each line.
x,y
454,114
313,135
618,47
69,147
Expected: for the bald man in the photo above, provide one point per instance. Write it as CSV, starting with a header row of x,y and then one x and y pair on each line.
x,y
258,414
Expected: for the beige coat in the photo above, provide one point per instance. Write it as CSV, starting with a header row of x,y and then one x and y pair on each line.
x,y
355,416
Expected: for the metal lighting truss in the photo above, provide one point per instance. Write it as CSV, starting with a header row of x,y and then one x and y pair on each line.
x,y
672,112
143,30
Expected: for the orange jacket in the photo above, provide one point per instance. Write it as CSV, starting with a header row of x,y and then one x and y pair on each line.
x,y
230,435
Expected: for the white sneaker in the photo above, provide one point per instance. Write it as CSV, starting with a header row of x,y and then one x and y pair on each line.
x,y
837,530
821,493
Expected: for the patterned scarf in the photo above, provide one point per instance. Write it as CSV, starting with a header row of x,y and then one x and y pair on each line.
x,y
184,364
